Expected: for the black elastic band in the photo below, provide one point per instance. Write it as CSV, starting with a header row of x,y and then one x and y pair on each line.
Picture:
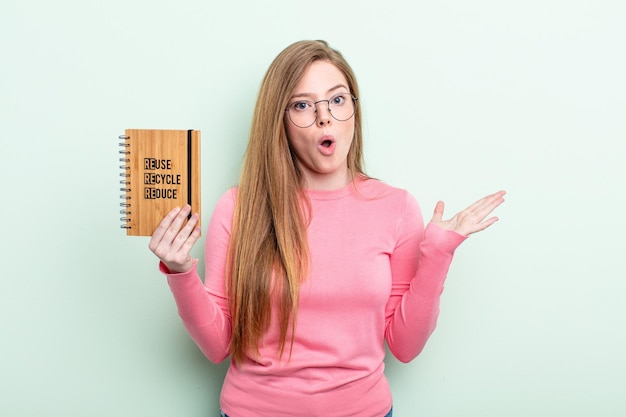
x,y
189,169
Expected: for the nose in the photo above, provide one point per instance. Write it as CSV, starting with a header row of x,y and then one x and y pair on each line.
x,y
322,112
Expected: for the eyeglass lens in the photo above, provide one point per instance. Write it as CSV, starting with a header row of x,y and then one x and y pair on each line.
x,y
303,113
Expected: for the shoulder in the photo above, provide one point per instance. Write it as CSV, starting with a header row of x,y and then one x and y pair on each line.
x,y
396,207
229,196
225,205
371,188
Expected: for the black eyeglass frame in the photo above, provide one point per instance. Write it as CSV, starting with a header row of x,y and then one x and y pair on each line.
x,y
354,100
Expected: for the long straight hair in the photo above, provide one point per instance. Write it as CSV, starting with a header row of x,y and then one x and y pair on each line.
x,y
268,254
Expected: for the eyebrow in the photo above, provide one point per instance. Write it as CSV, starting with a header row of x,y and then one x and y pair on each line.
x,y
330,90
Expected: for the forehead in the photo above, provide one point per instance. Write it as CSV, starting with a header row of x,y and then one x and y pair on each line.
x,y
320,78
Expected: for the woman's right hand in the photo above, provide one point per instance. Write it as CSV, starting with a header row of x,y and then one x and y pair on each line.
x,y
172,242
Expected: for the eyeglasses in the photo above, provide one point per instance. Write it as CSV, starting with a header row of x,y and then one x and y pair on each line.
x,y
303,113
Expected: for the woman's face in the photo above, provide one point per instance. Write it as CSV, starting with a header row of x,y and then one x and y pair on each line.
x,y
321,149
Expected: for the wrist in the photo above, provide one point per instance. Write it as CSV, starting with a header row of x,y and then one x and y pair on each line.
x,y
175,268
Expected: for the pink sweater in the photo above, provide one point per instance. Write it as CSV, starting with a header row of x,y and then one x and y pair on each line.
x,y
376,276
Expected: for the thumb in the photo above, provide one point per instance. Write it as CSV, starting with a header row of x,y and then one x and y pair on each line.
x,y
438,214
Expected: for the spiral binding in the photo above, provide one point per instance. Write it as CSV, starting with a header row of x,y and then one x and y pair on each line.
x,y
125,181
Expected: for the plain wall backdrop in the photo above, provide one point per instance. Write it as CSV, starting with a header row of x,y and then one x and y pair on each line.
x,y
460,99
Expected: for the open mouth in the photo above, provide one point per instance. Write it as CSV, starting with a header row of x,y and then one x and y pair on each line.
x,y
327,145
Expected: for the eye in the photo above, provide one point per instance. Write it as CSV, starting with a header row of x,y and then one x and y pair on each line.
x,y
301,106
339,99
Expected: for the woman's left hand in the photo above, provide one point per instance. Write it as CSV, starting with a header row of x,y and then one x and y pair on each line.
x,y
472,219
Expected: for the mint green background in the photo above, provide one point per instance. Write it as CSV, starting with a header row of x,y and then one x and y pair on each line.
x,y
460,99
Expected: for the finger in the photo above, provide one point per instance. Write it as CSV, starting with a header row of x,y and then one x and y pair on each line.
x,y
472,219
184,234
162,228
180,260
176,224
438,213
482,226
175,252
494,199
192,239
485,201
490,205
172,225
481,208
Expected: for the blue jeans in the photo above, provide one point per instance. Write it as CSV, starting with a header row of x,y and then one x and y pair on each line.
x,y
389,414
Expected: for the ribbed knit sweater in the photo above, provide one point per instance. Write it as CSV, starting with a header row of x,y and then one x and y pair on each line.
x,y
376,276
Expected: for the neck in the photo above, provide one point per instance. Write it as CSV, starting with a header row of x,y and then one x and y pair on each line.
x,y
326,182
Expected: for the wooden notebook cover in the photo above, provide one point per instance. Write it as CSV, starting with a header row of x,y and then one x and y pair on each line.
x,y
162,172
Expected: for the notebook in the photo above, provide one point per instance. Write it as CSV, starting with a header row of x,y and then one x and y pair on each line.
x,y
160,171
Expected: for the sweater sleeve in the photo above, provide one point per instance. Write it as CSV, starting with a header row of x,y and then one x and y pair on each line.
x,y
419,266
204,308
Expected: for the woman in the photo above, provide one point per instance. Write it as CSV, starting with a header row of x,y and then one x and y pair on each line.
x,y
311,266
